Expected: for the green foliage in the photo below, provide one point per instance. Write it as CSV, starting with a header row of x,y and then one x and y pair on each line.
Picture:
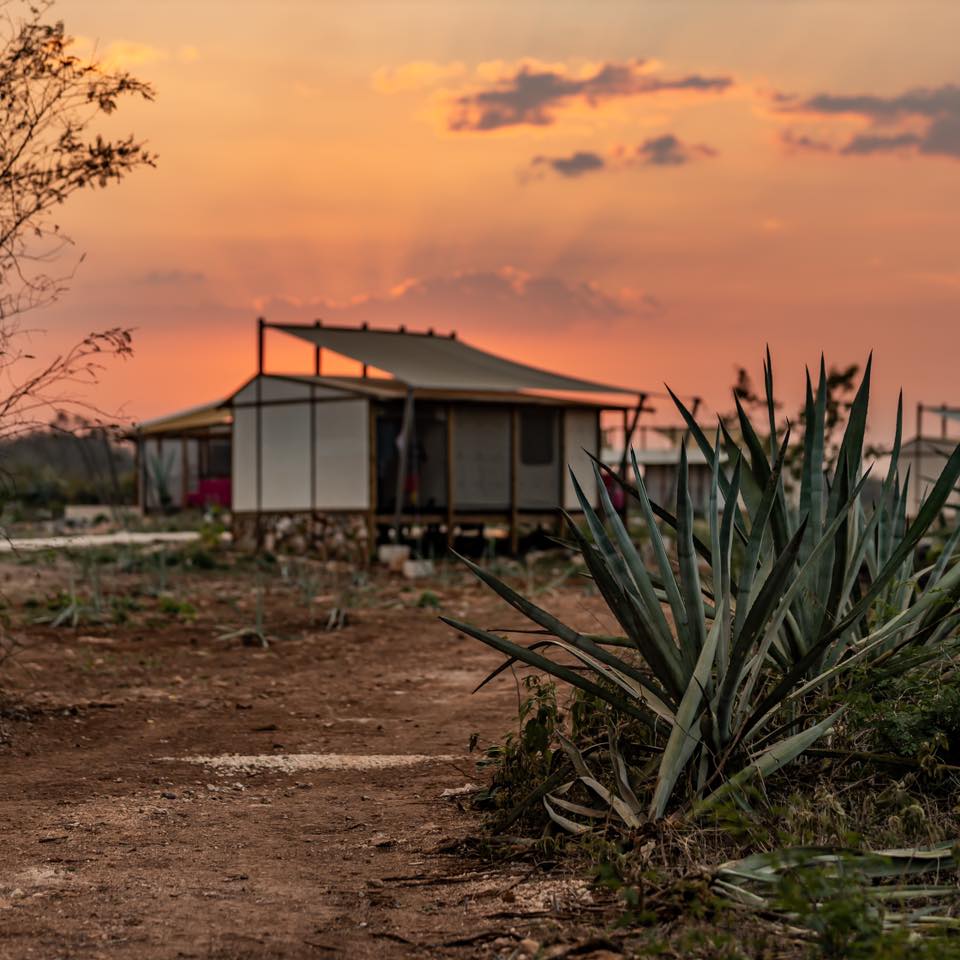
x,y
729,664
181,609
862,906
526,757
911,715
65,463
429,600
834,905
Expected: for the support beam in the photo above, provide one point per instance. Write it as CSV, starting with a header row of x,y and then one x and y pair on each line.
x,y
406,431
138,493
317,357
917,458
259,421
514,478
184,472
372,479
450,476
629,427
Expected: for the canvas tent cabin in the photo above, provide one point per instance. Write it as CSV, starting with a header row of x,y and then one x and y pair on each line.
x,y
183,460
450,436
431,432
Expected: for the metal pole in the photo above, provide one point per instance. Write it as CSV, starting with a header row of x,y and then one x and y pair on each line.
x,y
261,324
917,459
628,431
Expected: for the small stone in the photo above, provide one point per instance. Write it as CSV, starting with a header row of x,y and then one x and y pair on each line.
x,y
529,946
168,795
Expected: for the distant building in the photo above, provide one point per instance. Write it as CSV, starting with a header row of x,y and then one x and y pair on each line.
x,y
445,434
184,459
660,468
926,458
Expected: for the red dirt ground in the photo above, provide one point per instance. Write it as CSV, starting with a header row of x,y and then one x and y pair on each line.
x,y
113,846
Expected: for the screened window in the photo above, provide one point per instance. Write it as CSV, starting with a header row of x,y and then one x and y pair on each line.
x,y
538,436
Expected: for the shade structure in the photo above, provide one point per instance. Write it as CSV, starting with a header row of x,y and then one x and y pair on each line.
x,y
951,413
194,418
428,361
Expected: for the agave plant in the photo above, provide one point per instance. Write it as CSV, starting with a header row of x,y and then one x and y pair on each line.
x,y
726,663
883,881
865,542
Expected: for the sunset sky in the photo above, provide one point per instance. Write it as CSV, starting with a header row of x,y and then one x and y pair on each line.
x,y
634,192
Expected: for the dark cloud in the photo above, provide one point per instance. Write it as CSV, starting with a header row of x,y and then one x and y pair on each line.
x,y
663,151
575,165
532,95
796,142
505,299
669,151
925,120
174,277
865,143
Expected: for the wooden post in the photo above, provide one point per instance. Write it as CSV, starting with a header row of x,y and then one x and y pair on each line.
x,y
317,352
138,473
917,456
184,472
313,459
628,431
159,470
514,450
372,478
363,372
406,431
259,421
562,454
450,476
562,460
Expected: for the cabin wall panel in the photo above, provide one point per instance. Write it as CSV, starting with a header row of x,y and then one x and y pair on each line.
x,y
243,451
286,457
343,455
580,431
481,459
538,484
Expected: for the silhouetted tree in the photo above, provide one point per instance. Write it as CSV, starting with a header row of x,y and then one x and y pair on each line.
x,y
50,99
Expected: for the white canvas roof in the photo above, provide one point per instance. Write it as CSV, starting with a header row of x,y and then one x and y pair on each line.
x,y
427,361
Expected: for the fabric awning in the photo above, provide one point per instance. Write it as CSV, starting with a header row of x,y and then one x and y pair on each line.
x,y
195,418
427,361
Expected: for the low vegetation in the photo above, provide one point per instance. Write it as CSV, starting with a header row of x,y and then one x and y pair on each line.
x,y
775,711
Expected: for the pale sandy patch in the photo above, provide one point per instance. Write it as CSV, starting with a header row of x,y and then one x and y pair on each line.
x,y
301,762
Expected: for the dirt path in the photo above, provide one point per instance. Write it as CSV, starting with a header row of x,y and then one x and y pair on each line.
x,y
114,846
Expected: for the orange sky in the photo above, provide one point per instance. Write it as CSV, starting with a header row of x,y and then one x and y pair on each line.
x,y
634,191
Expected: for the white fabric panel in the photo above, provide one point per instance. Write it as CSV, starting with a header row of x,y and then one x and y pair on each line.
x,y
439,362
343,455
244,454
285,465
579,434
481,459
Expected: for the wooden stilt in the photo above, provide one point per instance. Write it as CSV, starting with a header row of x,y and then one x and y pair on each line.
x,y
261,324
514,457
450,477
406,431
